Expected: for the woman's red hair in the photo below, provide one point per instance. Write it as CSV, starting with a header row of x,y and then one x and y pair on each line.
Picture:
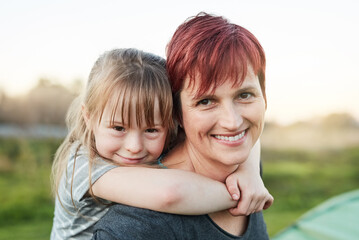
x,y
211,49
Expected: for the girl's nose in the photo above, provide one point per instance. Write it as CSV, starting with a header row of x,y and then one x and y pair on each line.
x,y
133,143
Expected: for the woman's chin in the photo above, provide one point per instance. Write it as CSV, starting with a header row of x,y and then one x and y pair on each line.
x,y
233,159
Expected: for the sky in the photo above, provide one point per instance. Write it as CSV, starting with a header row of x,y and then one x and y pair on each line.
x,y
311,45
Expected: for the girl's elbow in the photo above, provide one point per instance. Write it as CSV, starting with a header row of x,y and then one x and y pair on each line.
x,y
171,197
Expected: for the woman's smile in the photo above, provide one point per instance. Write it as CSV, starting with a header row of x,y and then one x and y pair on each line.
x,y
231,139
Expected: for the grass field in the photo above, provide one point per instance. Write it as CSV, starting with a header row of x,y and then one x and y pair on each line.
x,y
299,180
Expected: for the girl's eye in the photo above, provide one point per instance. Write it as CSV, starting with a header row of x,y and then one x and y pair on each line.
x,y
151,130
204,102
119,128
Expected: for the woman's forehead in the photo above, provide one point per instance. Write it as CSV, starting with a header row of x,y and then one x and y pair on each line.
x,y
198,86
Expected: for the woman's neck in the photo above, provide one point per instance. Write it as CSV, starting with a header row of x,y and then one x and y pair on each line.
x,y
185,157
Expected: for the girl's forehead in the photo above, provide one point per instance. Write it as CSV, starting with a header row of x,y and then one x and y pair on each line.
x,y
125,108
119,103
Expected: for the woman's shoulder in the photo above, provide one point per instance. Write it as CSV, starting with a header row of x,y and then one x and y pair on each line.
x,y
188,226
257,228
159,225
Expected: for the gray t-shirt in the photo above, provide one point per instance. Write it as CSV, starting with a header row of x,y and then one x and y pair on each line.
x,y
75,217
128,223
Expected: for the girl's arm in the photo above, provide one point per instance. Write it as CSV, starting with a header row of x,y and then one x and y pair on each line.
x,y
246,185
165,190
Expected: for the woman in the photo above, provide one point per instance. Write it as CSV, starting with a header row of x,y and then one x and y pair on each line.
x,y
217,73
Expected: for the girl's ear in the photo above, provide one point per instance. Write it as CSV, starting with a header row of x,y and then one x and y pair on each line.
x,y
85,115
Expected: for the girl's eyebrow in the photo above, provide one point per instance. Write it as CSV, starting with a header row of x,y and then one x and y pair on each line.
x,y
113,122
155,126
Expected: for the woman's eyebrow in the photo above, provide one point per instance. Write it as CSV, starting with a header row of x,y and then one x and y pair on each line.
x,y
247,88
203,96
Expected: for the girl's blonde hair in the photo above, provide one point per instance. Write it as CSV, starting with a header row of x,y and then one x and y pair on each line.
x,y
128,76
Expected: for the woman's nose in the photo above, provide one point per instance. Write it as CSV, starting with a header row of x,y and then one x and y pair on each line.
x,y
231,117
133,143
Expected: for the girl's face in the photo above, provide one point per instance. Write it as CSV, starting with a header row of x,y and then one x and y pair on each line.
x,y
118,142
222,126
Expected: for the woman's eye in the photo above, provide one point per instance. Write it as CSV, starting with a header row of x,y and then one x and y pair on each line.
x,y
204,102
119,128
151,130
245,95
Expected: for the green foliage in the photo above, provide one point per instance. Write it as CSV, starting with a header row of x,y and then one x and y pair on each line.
x,y
25,166
31,230
298,180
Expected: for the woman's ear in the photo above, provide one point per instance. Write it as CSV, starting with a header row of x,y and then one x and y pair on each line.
x,y
85,115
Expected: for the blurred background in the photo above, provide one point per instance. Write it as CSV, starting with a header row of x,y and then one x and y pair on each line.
x,y
310,144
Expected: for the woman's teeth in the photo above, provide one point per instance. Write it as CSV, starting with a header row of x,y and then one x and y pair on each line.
x,y
232,138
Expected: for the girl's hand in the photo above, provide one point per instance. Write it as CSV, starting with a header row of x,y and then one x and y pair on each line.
x,y
248,188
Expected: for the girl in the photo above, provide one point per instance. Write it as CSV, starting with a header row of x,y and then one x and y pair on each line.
x,y
124,118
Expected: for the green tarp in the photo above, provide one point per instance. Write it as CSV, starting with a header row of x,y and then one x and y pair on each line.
x,y
335,219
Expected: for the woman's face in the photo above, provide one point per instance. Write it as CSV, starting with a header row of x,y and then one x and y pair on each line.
x,y
223,125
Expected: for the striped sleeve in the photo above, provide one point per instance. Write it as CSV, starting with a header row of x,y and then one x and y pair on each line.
x,y
80,166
